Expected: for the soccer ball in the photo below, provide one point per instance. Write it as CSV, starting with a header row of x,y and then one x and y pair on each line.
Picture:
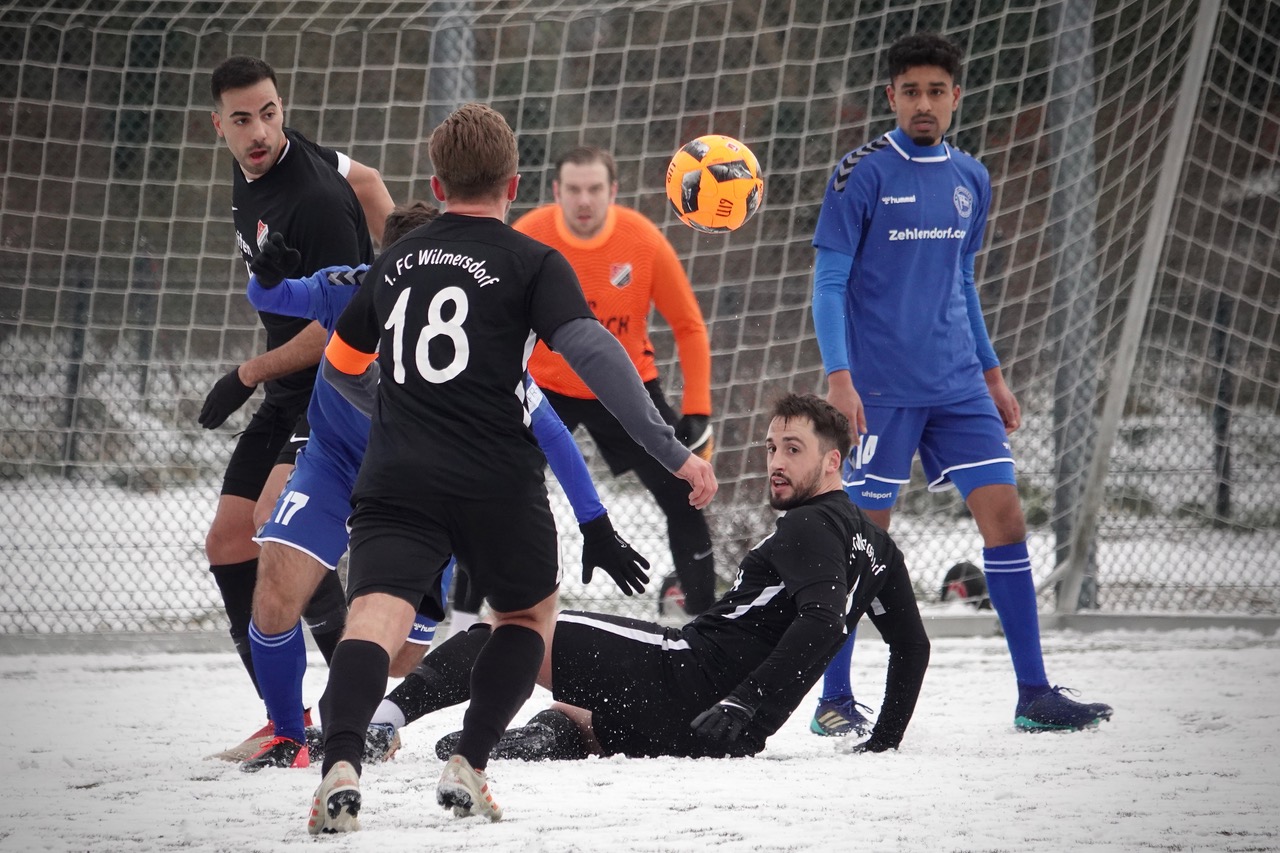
x,y
714,184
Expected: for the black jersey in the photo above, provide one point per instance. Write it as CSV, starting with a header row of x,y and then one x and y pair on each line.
x,y
306,198
453,310
824,550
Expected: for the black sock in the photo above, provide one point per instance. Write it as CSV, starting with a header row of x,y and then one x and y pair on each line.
x,y
236,582
570,741
327,642
502,680
444,676
326,615
697,580
357,679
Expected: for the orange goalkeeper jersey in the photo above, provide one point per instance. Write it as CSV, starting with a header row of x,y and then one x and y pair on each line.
x,y
624,269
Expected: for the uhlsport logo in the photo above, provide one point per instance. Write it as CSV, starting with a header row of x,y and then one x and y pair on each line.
x,y
964,201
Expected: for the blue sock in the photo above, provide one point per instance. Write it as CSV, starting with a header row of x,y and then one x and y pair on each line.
x,y
1013,595
835,681
280,661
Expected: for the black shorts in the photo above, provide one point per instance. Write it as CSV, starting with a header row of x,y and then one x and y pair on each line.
x,y
258,448
508,546
618,448
297,440
643,684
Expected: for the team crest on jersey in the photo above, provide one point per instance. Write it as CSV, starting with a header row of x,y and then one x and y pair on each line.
x,y
263,231
963,200
620,275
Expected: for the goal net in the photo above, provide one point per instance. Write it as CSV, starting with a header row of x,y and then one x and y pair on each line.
x,y
1129,277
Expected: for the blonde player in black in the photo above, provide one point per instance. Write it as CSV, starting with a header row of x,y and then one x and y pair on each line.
x,y
725,682
451,313
324,203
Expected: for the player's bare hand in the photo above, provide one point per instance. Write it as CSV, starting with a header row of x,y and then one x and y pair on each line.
x,y
1006,403
842,395
701,477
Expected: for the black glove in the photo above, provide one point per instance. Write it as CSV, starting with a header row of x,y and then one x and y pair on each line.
x,y
228,395
602,547
871,745
275,262
694,432
724,720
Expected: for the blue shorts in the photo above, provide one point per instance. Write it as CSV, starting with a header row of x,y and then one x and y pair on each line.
x,y
962,444
311,516
311,513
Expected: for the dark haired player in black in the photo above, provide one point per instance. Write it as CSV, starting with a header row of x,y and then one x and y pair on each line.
x,y
451,313
725,682
324,203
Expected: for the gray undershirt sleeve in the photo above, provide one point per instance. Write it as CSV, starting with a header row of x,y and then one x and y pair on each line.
x,y
360,391
602,363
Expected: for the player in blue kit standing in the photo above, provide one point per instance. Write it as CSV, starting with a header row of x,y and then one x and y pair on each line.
x,y
909,362
306,533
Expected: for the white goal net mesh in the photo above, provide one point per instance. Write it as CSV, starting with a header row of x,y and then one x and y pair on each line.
x,y
1130,276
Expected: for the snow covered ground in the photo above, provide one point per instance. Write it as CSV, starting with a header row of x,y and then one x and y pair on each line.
x,y
104,753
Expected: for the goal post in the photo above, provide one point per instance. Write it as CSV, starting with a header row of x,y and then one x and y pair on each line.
x,y
1133,299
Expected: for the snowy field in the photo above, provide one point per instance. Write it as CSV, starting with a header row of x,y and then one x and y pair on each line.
x,y
104,753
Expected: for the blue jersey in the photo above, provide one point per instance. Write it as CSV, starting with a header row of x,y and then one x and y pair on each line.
x,y
340,431
911,218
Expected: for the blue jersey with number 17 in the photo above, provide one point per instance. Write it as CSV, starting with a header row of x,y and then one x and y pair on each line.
x,y
912,218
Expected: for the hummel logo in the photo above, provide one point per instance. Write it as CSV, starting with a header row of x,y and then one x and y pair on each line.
x,y
349,278
898,199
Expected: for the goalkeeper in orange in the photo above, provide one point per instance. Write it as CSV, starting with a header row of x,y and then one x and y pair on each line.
x,y
627,267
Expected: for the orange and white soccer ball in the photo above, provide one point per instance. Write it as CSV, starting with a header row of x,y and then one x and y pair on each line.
x,y
714,184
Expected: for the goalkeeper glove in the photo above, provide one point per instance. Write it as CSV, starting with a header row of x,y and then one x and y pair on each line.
x,y
275,262
871,745
723,721
228,395
694,432
602,547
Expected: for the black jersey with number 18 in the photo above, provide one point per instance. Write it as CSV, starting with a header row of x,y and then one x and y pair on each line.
x,y
453,310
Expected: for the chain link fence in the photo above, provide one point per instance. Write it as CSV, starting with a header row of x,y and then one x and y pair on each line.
x,y
121,295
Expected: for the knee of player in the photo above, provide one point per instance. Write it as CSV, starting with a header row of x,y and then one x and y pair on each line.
x,y
276,608
261,514
228,542
275,612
